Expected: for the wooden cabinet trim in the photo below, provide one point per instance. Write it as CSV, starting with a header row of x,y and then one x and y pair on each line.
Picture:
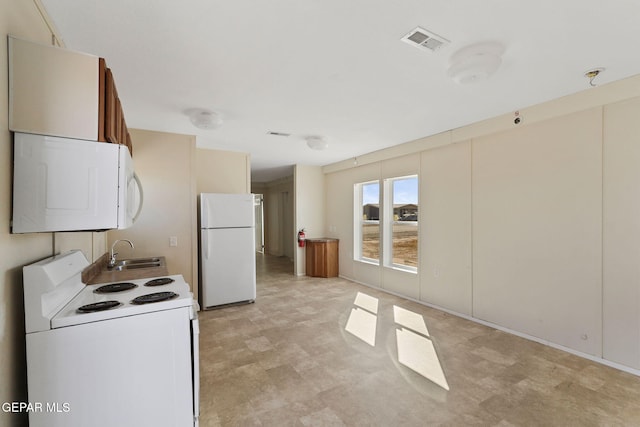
x,y
102,71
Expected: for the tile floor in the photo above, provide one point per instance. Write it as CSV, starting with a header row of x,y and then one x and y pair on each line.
x,y
302,355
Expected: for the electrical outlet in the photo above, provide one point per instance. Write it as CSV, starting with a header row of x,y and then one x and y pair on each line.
x,y
173,241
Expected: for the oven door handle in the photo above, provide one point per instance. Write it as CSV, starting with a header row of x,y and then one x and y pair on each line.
x,y
195,363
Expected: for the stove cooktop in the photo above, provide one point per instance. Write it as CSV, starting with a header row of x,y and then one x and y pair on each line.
x,y
115,287
119,299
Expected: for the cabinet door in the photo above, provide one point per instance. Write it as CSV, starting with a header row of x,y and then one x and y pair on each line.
x,y
331,256
112,109
52,91
123,128
129,143
102,75
322,258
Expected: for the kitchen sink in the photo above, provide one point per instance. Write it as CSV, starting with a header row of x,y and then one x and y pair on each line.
x,y
138,261
130,264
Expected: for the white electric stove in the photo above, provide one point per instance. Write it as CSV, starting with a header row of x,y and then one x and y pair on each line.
x,y
122,353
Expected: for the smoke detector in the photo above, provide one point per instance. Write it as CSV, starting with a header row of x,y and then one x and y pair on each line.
x,y
475,63
424,39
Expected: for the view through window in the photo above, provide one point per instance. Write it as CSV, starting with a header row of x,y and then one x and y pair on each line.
x,y
370,223
404,221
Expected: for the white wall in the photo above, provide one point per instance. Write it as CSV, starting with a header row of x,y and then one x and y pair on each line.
x,y
309,208
534,228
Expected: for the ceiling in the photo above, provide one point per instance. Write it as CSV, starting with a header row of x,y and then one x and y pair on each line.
x,y
338,69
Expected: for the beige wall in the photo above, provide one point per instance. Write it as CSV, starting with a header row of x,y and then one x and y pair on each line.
x,y
445,254
22,19
537,230
621,233
532,227
164,162
173,172
223,171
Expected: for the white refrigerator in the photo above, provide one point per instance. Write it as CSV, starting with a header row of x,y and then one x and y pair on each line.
x,y
227,249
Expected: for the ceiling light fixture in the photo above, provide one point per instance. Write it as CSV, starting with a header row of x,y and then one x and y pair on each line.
x,y
592,74
475,63
316,142
204,119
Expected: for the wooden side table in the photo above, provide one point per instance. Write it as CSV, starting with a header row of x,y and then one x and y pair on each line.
x,y
322,257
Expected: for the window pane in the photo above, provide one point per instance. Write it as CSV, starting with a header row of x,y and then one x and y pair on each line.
x,y
371,201
405,199
405,244
371,240
370,231
405,225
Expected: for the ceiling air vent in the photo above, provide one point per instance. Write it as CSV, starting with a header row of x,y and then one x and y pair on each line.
x,y
278,133
423,39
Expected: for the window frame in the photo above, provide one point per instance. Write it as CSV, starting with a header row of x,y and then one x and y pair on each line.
x,y
389,221
359,223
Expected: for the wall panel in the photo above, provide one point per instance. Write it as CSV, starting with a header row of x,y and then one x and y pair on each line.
x,y
537,230
445,227
621,294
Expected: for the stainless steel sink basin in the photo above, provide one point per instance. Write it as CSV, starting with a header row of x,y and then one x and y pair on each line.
x,y
138,261
130,264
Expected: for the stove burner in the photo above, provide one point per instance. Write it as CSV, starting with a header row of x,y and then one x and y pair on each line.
x,y
159,282
155,297
115,287
98,306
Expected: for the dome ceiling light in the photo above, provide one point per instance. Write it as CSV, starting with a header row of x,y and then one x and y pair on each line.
x,y
204,119
316,142
475,62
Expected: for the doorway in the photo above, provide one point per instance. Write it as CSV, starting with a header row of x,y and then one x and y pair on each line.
x,y
258,203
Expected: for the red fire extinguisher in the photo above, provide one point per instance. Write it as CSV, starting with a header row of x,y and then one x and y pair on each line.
x,y
301,238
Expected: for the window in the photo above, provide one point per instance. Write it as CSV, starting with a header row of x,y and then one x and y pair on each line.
x,y
367,221
401,231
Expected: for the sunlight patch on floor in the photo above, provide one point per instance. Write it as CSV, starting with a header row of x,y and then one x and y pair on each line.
x,y
362,324
363,319
415,348
410,320
367,302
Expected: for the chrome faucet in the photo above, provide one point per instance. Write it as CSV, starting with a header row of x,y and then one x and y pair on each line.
x,y
112,257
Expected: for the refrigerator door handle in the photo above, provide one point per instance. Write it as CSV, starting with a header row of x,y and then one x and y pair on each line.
x,y
205,245
205,213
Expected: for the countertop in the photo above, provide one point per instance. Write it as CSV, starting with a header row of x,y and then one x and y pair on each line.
x,y
322,239
98,272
